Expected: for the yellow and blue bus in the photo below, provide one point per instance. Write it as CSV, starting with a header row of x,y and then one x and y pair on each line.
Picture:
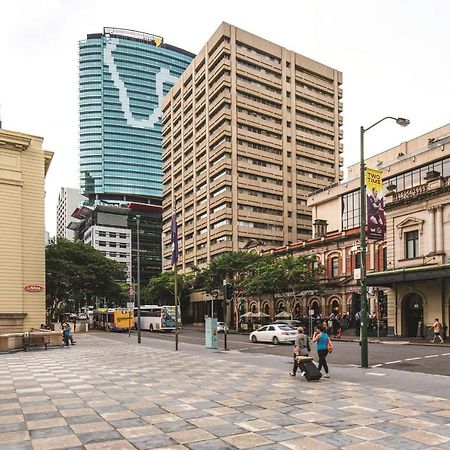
x,y
113,319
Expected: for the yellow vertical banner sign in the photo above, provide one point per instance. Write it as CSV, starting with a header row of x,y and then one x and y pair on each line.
x,y
376,221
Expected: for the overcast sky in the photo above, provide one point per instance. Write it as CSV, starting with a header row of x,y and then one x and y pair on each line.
x,y
394,55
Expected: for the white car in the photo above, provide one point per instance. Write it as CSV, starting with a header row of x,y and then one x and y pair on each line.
x,y
221,326
274,333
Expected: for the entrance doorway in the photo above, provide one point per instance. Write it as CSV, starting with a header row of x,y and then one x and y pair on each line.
x,y
412,314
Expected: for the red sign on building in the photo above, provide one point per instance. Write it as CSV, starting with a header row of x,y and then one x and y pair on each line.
x,y
33,288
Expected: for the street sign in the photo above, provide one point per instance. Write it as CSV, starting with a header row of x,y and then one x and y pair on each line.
x,y
311,312
33,288
130,305
131,291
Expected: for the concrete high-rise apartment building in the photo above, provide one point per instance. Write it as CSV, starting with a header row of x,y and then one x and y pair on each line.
x,y
68,200
123,77
250,129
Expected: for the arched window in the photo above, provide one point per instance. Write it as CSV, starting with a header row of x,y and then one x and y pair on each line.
x,y
334,267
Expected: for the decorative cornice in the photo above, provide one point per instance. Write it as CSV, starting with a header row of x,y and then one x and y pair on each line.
x,y
14,142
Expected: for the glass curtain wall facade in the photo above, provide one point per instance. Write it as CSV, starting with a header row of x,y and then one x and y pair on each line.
x,y
124,76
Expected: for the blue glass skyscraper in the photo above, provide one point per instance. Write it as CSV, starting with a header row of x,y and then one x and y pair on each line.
x,y
124,76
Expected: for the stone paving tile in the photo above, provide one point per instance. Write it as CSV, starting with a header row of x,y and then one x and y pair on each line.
x,y
153,441
39,416
397,442
153,406
175,426
247,440
366,433
366,446
138,432
425,437
45,423
307,443
225,430
338,439
192,414
111,445
90,427
14,436
25,445
50,432
52,443
309,429
83,419
128,423
18,426
213,444
99,436
192,435
279,434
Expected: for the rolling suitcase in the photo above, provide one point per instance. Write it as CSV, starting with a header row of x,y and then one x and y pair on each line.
x,y
309,369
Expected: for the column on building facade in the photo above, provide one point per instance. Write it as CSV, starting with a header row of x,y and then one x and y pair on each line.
x,y
439,229
432,243
371,267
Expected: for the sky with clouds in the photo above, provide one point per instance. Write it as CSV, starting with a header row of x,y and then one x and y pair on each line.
x,y
394,55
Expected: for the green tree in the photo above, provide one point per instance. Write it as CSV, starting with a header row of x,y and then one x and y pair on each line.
x,y
233,267
76,272
160,290
261,277
294,274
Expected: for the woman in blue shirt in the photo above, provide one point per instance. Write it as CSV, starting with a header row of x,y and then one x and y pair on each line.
x,y
322,348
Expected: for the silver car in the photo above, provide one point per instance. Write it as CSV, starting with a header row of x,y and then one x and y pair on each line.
x,y
276,334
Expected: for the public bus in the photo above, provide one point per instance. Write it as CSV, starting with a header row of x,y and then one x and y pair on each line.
x,y
157,318
113,319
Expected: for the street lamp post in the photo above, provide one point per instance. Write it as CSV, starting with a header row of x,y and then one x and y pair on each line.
x,y
363,294
138,219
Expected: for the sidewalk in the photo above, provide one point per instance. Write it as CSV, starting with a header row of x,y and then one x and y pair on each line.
x,y
111,393
350,336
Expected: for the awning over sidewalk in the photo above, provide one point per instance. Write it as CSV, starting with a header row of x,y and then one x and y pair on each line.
x,y
391,277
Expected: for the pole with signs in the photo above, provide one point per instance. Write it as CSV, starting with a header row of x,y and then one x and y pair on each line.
x,y
138,231
174,261
130,306
225,302
362,217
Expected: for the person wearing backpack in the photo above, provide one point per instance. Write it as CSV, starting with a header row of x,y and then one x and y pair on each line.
x,y
302,348
323,345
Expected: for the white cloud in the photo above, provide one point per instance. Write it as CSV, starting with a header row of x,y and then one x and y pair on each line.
x,y
393,53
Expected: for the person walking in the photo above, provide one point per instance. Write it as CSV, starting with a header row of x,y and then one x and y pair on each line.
x,y
302,348
321,338
437,327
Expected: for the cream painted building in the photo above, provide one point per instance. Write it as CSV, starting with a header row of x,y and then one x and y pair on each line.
x,y
23,166
414,269
249,130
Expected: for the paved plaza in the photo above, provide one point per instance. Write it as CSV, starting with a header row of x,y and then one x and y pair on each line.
x,y
109,393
